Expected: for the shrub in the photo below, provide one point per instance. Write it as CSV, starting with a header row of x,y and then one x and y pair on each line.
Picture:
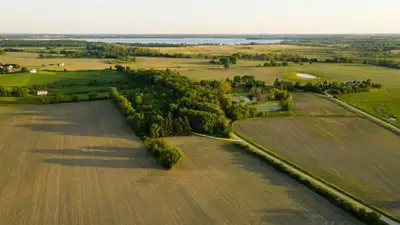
x,y
166,155
93,95
169,157
75,98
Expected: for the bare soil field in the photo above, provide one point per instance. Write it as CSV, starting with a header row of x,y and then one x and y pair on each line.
x,y
245,190
309,104
352,153
79,163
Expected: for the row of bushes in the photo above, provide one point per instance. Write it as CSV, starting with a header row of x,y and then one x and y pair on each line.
x,y
368,217
166,155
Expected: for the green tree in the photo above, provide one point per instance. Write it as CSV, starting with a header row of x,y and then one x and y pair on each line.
x,y
24,69
223,86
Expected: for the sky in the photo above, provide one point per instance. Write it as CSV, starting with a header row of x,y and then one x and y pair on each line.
x,y
200,16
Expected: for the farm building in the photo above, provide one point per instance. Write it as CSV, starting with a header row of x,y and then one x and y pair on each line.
x,y
33,71
42,92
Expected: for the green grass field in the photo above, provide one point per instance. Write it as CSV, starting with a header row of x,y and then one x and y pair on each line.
x,y
352,153
384,104
47,77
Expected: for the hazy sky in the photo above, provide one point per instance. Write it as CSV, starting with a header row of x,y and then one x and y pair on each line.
x,y
200,16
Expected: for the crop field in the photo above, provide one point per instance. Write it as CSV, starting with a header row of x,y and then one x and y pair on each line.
x,y
79,163
48,77
352,153
234,187
310,104
384,104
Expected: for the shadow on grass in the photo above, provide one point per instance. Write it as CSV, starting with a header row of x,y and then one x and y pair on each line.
x,y
107,157
96,118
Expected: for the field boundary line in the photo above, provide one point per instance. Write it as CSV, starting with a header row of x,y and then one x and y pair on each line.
x,y
362,113
387,217
215,138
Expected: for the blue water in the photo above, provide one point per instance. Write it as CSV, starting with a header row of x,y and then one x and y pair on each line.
x,y
191,41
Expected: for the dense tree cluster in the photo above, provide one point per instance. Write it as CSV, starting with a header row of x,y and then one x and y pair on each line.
x,y
166,155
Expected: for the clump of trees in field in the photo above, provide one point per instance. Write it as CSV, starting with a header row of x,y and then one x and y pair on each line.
x,y
226,61
165,154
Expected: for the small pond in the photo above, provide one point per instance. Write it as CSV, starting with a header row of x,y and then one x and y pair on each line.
x,y
241,98
306,76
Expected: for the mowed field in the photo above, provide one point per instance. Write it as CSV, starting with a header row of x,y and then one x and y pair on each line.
x,y
310,104
79,163
352,153
384,104
49,77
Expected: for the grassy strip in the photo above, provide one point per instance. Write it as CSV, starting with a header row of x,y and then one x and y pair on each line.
x,y
166,155
212,137
371,218
315,177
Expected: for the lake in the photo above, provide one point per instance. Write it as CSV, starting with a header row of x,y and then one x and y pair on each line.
x,y
190,41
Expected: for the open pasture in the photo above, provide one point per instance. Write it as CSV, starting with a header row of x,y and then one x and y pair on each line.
x,y
352,153
384,104
310,104
49,77
79,163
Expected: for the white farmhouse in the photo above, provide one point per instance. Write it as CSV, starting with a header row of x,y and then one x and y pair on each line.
x,y
33,71
42,92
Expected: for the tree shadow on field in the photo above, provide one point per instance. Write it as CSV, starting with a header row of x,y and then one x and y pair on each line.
x,y
312,205
96,118
100,156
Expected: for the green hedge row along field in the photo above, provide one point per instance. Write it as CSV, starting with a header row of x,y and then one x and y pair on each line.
x,y
361,214
384,104
352,153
